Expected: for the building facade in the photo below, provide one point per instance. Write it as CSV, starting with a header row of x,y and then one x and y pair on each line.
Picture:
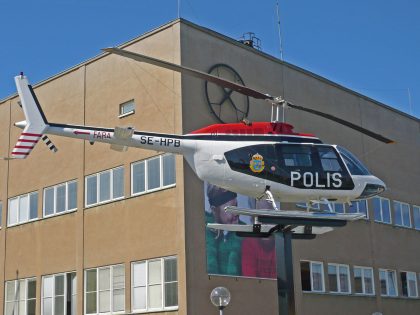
x,y
89,230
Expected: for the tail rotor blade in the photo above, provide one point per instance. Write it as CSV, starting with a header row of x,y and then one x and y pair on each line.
x,y
49,143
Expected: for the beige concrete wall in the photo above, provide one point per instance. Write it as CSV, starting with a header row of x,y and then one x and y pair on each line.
x,y
132,229
362,243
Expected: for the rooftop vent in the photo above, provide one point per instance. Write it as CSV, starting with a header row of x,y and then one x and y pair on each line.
x,y
250,40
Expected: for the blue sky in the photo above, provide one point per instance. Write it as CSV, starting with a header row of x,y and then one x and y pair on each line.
x,y
371,46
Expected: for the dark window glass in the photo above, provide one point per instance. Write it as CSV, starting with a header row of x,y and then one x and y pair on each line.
x,y
305,275
332,278
354,165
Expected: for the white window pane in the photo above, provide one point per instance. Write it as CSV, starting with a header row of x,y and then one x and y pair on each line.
x,y
416,215
332,278
61,198
344,279
406,215
22,307
168,161
391,283
118,182
398,215
139,295
72,195
91,190
153,173
47,286
155,272
138,177
368,281
386,211
13,211
33,206
105,186
104,301
155,296
104,279
127,107
49,201
10,290
118,300
73,283
10,308
118,277
22,289
139,271
23,208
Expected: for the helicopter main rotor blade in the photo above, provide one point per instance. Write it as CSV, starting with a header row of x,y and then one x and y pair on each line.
x,y
238,88
192,72
343,122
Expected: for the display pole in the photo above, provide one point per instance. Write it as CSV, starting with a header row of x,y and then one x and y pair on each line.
x,y
284,264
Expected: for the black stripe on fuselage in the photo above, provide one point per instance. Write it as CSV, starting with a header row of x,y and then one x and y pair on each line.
x,y
270,138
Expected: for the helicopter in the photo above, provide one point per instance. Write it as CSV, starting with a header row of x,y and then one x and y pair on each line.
x,y
257,159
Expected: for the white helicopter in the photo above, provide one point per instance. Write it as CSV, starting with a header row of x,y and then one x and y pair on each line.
x,y
255,159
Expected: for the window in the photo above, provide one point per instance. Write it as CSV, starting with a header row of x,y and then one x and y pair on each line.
x,y
388,281
153,174
359,206
416,217
127,108
59,294
363,281
312,276
338,207
382,210
105,186
402,214
60,198
154,284
20,297
105,290
409,284
23,208
339,278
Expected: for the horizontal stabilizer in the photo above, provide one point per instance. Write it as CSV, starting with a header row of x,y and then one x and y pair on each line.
x,y
265,228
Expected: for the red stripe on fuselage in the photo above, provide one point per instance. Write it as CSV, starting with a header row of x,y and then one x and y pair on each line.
x,y
31,134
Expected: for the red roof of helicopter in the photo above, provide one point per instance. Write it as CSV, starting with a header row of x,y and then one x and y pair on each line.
x,y
254,128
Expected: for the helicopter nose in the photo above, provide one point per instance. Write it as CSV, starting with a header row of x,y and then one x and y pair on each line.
x,y
372,190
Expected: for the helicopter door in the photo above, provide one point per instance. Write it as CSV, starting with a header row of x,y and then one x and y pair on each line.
x,y
253,160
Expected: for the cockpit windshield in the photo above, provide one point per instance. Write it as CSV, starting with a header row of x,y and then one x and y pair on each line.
x,y
354,165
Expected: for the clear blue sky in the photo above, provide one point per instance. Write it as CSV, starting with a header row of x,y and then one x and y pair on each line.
x,y
370,46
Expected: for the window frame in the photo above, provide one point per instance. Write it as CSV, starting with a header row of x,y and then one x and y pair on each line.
x,y
356,204
146,167
408,287
98,187
394,272
111,290
16,294
18,213
338,281
363,268
311,263
66,293
415,207
381,210
55,199
394,203
162,284
121,106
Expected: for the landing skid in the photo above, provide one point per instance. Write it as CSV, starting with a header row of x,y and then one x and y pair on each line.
x,y
301,224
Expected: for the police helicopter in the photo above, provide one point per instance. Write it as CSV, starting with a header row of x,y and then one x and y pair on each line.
x,y
258,159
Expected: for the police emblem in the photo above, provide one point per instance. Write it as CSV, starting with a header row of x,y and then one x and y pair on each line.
x,y
257,163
